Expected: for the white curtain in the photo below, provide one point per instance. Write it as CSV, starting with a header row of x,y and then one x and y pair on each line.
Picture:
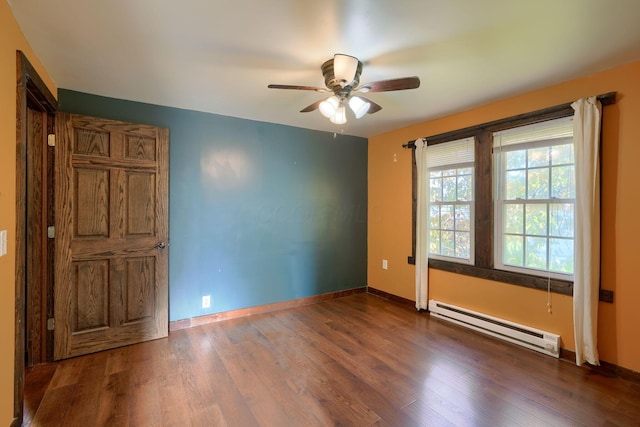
x,y
586,135
422,252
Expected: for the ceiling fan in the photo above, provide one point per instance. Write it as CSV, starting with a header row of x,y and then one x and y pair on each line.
x,y
342,78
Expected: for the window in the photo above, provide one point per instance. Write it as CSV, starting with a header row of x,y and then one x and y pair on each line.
x,y
521,210
535,199
450,169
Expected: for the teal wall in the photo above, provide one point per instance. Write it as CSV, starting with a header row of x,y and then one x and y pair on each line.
x,y
258,212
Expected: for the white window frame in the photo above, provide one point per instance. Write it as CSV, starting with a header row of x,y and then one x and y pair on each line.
x,y
458,154
546,134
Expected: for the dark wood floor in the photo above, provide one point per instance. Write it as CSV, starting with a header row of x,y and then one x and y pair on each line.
x,y
359,360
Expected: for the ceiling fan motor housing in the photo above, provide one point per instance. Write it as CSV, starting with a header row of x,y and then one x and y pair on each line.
x,y
339,88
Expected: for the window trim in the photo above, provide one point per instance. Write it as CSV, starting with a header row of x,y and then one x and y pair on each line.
x,y
484,209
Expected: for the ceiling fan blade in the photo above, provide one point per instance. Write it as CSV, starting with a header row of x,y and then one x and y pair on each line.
x,y
374,107
390,85
312,107
294,87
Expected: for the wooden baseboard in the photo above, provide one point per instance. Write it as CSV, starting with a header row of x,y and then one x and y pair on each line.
x,y
250,311
606,369
390,297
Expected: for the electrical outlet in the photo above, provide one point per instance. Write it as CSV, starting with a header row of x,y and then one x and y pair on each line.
x,y
206,301
385,264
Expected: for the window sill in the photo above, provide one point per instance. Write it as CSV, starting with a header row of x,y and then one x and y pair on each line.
x,y
557,286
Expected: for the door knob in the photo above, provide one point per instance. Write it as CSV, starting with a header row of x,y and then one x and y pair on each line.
x,y
161,245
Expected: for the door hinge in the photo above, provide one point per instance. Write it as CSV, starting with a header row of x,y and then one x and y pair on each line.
x,y
51,323
51,232
51,140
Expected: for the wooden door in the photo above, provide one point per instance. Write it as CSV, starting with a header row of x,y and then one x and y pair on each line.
x,y
111,229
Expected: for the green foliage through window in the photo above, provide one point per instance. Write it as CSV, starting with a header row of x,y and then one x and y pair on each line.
x,y
537,188
450,212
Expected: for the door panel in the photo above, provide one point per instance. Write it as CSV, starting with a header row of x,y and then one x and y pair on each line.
x,y
91,213
111,269
90,303
139,283
140,207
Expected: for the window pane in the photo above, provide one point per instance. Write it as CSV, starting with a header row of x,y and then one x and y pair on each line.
x,y
512,216
450,207
562,154
515,185
536,252
561,255
534,200
538,157
463,244
465,188
563,182
561,219
463,218
447,243
449,189
516,159
434,217
536,220
447,220
538,183
512,253
435,190
434,242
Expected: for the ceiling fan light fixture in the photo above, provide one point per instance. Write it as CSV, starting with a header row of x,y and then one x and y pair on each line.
x,y
345,68
340,117
359,106
329,106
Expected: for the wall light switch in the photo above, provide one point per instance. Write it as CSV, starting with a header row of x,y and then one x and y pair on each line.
x,y
3,242
385,264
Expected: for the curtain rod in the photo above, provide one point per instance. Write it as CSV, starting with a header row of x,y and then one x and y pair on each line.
x,y
500,124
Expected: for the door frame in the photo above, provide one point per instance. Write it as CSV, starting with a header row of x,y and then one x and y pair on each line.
x,y
31,91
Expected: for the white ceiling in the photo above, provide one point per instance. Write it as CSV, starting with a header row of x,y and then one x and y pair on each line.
x,y
219,55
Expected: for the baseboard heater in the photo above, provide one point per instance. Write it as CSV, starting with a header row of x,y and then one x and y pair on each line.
x,y
531,338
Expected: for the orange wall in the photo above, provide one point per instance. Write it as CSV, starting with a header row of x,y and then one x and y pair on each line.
x,y
11,39
390,219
